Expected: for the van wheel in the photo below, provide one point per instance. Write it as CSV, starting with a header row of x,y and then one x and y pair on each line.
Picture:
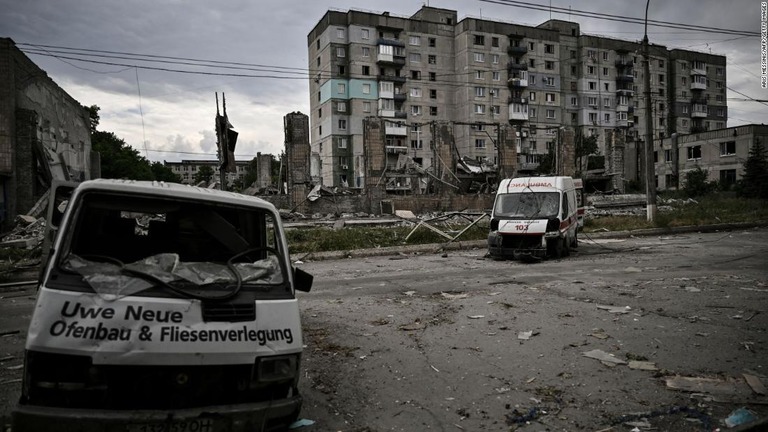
x,y
566,247
555,248
575,243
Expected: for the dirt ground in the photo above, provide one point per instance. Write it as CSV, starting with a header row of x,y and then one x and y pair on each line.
x,y
457,341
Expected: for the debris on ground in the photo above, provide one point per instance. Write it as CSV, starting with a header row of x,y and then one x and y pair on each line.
x,y
615,309
642,365
755,384
715,386
741,416
604,357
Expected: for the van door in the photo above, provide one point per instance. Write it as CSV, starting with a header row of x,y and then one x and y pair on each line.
x,y
60,193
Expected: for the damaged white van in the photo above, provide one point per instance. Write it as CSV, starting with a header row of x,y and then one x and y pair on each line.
x,y
534,217
164,307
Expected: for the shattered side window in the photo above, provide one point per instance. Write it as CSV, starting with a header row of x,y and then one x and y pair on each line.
x,y
122,245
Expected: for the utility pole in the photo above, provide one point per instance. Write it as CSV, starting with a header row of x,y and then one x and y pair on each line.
x,y
650,169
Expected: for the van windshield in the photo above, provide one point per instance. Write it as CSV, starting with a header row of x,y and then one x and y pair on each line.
x,y
124,244
541,205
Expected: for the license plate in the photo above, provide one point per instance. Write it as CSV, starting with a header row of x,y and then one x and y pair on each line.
x,y
197,425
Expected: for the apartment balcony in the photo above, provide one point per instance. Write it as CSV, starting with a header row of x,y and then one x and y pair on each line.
x,y
622,123
401,114
386,113
517,100
698,85
631,109
699,70
392,78
390,42
517,66
396,149
390,60
622,108
516,51
518,112
528,166
698,129
699,111
517,82
400,97
625,92
623,62
395,130
625,78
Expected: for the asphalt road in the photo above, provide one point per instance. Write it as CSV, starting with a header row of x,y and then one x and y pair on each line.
x,y
439,341
433,342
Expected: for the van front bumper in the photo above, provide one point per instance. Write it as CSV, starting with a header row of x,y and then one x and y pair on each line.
x,y
274,415
516,246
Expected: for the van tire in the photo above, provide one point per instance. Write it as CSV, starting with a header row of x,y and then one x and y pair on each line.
x,y
555,248
566,247
575,243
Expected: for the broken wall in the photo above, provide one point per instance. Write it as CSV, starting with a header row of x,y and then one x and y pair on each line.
x,y
40,124
614,159
297,148
507,152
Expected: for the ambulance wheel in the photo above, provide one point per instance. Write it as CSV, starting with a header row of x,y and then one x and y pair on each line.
x,y
575,243
555,248
566,247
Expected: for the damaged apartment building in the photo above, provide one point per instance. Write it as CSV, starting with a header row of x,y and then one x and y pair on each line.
x,y
491,81
44,135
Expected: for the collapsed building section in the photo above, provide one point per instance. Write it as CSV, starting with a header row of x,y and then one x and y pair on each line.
x,y
44,134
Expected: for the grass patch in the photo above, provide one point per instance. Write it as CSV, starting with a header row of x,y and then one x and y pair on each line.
x,y
327,239
712,209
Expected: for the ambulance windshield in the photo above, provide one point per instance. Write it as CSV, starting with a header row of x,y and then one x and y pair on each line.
x,y
528,205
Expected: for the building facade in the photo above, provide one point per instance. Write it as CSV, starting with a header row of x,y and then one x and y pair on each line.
x,y
478,74
44,134
721,153
187,169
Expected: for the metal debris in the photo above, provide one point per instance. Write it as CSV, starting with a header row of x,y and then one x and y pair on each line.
x,y
604,357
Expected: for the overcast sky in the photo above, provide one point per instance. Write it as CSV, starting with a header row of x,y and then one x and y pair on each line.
x,y
170,115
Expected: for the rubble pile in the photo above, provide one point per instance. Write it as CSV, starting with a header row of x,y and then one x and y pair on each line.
x,y
27,233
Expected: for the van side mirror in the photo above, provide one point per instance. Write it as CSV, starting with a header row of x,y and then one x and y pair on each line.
x,y
494,224
302,280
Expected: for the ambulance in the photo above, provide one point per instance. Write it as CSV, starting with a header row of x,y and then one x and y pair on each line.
x,y
163,307
534,217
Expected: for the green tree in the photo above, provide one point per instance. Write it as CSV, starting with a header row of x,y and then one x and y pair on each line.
x,y
696,183
162,173
205,173
251,173
118,160
277,165
585,146
93,113
546,164
754,183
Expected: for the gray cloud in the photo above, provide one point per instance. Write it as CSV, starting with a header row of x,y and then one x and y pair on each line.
x,y
274,32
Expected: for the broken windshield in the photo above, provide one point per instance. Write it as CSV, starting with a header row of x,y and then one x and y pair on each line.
x,y
541,205
112,280
122,245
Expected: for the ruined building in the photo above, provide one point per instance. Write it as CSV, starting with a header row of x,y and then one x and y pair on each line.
x,y
479,75
44,134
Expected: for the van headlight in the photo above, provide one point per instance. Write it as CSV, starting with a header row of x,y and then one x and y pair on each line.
x,y
278,368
